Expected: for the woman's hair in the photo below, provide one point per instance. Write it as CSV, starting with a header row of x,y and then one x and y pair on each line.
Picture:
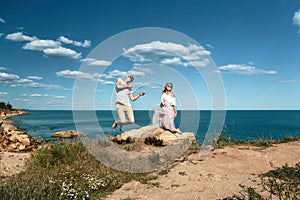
x,y
165,87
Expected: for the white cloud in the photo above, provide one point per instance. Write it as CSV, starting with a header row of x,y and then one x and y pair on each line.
x,y
25,80
1,34
23,95
78,74
103,82
16,81
59,97
244,69
296,18
35,95
289,81
61,53
100,77
210,46
136,73
50,48
8,78
166,53
35,77
148,85
200,63
4,69
2,20
19,37
54,96
40,45
171,61
38,86
117,73
65,40
138,67
3,93
95,62
85,43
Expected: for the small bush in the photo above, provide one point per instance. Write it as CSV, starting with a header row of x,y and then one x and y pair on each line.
x,y
281,183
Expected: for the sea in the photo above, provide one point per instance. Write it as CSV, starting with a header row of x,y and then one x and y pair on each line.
x,y
237,124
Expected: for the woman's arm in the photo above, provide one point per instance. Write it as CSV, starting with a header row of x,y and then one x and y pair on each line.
x,y
175,111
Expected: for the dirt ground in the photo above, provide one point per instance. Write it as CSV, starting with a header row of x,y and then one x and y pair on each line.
x,y
12,163
216,176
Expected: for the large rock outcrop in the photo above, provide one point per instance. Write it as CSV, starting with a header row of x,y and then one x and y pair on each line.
x,y
153,133
68,134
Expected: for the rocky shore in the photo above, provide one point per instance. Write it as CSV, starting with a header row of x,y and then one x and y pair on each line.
x,y
11,138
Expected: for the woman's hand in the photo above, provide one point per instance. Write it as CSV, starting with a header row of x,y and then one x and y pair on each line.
x,y
175,114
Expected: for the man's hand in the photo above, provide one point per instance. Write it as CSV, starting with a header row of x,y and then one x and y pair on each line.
x,y
142,93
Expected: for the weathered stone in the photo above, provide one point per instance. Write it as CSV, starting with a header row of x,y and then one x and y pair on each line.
x,y
21,147
24,136
12,145
152,131
15,138
68,134
25,142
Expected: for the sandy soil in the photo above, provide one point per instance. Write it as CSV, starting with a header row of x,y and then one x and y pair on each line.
x,y
12,163
216,176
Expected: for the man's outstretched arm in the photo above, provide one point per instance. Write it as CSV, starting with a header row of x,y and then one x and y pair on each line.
x,y
133,98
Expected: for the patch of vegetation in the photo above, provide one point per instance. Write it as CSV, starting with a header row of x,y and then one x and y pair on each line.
x,y
65,171
6,106
154,141
121,141
182,173
164,172
281,183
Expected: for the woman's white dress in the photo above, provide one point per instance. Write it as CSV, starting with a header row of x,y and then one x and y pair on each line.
x,y
164,116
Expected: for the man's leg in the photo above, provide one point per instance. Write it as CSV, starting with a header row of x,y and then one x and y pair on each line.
x,y
121,114
130,115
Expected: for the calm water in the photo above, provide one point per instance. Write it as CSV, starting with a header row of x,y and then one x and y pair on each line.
x,y
243,125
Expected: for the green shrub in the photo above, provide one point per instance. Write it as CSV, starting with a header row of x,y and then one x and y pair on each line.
x,y
281,183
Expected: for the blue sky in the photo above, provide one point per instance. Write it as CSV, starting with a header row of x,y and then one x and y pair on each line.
x,y
254,44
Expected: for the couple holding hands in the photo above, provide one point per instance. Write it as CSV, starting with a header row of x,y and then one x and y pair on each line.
x,y
163,117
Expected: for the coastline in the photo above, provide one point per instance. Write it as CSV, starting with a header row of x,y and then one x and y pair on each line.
x,y
12,139
11,162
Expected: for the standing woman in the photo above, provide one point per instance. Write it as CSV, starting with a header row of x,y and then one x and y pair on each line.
x,y
168,110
